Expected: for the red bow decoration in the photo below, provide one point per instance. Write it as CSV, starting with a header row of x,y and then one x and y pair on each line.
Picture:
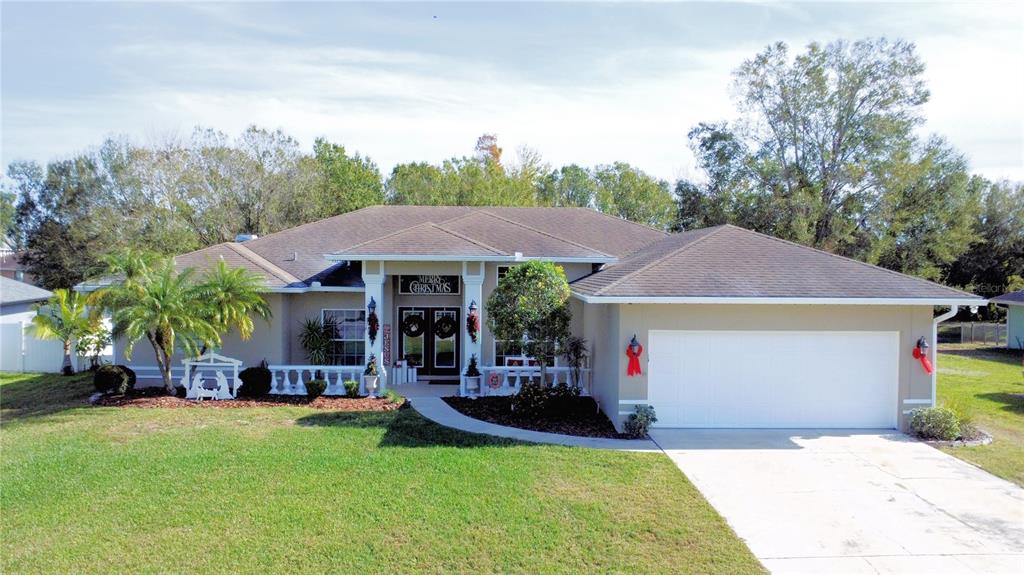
x,y
633,351
921,354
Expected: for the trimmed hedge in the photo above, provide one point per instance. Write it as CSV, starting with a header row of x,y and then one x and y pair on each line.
x,y
113,379
315,388
255,382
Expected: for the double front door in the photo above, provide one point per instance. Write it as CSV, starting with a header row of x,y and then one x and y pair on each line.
x,y
430,338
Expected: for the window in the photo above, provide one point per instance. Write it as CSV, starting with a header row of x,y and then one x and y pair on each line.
x,y
349,336
502,271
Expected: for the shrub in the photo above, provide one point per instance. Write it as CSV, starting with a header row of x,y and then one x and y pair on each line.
x,y
315,388
935,423
351,388
562,398
114,379
532,400
255,382
640,421
393,397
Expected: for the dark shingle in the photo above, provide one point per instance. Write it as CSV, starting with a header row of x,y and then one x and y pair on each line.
x,y
728,261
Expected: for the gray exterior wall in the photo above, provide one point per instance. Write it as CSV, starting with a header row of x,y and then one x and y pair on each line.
x,y
1015,326
911,322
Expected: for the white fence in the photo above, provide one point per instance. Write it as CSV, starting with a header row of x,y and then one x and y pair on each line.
x,y
291,379
507,380
19,351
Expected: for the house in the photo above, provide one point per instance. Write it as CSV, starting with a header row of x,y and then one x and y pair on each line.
x,y
19,351
1014,302
737,329
10,264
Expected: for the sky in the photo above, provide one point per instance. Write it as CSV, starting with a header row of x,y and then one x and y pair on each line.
x,y
577,82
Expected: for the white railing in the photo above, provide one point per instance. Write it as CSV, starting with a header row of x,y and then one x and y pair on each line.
x,y
508,380
291,379
151,373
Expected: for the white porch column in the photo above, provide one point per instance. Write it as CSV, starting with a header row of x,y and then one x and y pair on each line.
x,y
373,278
473,291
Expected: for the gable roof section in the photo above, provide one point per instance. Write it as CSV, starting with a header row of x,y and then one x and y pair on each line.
x,y
425,239
1012,298
237,255
510,236
13,291
731,263
300,250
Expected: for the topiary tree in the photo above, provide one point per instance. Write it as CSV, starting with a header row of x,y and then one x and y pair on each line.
x,y
531,305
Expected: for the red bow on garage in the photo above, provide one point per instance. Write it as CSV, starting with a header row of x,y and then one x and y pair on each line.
x,y
633,351
921,354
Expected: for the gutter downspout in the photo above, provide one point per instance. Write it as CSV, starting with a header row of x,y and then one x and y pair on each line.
x,y
935,345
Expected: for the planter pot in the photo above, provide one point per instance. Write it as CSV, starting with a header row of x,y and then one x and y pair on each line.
x,y
370,382
472,385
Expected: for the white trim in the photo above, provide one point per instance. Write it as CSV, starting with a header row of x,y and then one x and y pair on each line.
x,y
633,402
780,300
464,258
497,272
917,401
362,339
935,346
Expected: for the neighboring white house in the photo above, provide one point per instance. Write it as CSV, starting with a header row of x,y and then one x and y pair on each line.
x,y
19,351
738,329
1014,302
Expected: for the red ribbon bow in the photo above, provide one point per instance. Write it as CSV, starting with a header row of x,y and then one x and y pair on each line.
x,y
922,356
634,359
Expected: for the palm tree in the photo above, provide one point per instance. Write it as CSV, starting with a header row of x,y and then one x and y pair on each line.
x,y
165,307
174,312
234,296
64,317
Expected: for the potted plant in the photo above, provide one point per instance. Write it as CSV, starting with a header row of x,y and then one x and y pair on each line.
x,y
471,378
370,376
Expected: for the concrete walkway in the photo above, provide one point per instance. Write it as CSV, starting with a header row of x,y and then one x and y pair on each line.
x,y
835,501
436,410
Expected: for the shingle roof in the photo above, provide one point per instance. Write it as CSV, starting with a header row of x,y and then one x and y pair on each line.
x,y
13,291
237,255
731,262
1015,297
300,250
425,239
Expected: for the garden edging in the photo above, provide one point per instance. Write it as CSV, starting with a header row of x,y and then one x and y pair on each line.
x,y
436,410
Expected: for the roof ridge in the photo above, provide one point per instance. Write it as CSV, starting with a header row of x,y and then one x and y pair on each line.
x,y
617,218
846,259
300,226
385,236
262,262
467,238
351,249
649,265
542,232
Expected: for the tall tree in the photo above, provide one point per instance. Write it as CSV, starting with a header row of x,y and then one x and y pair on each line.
x,y
569,186
629,193
341,183
824,153
996,257
52,217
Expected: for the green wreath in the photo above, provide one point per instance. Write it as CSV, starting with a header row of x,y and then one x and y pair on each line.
x,y
445,327
413,326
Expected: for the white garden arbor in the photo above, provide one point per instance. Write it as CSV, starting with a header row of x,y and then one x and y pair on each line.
x,y
199,370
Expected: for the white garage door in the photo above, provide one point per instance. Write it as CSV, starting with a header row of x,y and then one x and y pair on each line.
x,y
774,379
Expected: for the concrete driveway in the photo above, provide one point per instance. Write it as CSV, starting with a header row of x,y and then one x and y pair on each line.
x,y
820,501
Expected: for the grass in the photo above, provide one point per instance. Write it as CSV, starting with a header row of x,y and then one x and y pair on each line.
x,y
289,489
989,384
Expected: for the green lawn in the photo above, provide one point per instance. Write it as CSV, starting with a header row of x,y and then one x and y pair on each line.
x,y
990,384
290,489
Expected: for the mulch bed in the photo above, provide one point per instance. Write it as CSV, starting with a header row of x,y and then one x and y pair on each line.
x,y
580,418
156,398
